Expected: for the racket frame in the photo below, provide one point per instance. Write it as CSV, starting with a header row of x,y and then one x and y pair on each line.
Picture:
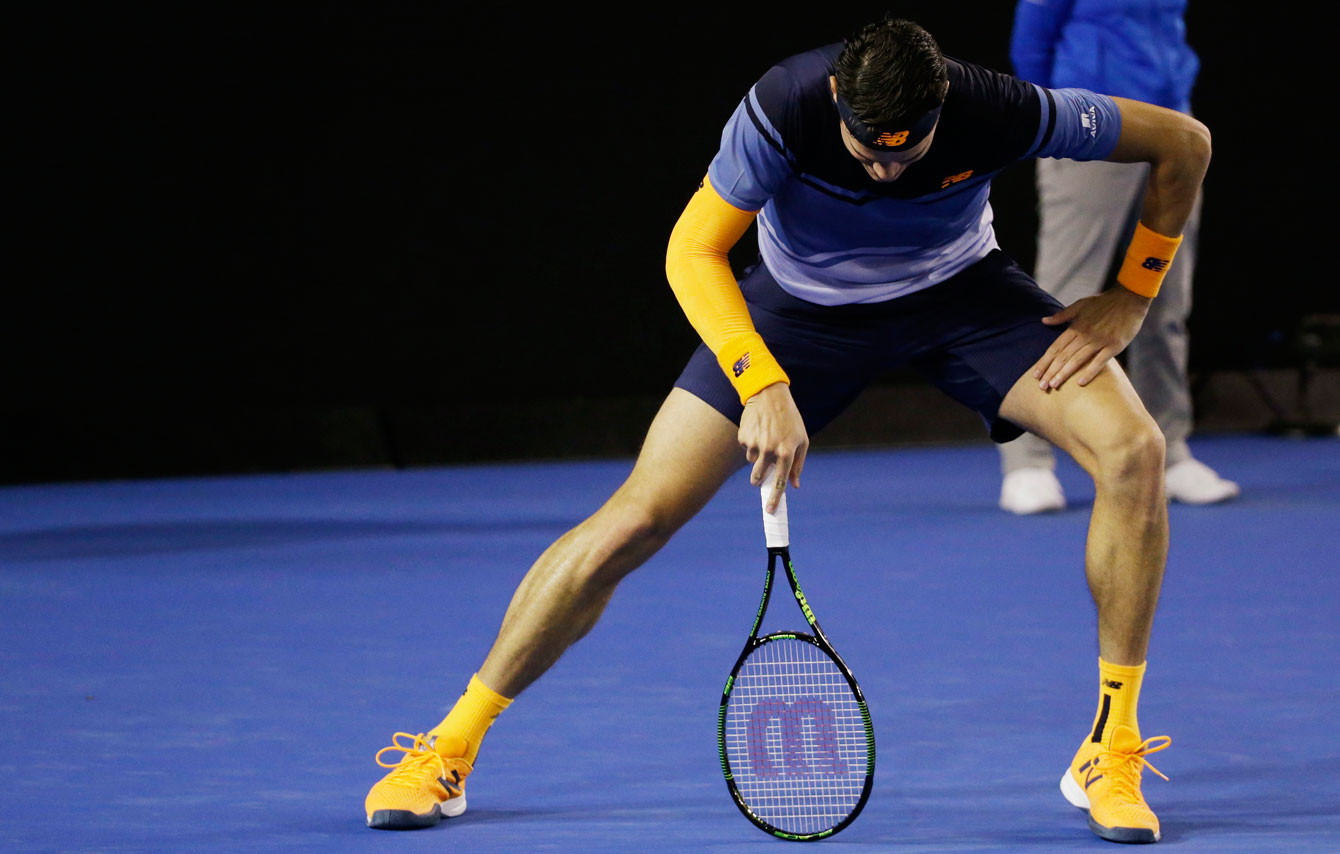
x,y
782,554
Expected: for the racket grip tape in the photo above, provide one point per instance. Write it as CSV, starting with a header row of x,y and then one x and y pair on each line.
x,y
775,526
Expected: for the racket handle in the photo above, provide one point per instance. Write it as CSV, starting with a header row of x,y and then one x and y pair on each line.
x,y
775,526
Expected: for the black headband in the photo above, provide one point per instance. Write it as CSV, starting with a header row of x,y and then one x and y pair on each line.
x,y
898,136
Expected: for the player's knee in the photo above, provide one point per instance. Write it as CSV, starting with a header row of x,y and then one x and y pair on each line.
x,y
643,528
1132,454
624,535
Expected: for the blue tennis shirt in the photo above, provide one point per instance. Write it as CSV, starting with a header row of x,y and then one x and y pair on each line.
x,y
831,235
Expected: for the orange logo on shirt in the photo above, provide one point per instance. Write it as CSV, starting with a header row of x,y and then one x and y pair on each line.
x,y
954,179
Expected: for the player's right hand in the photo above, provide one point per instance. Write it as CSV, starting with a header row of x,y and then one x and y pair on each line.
x,y
773,433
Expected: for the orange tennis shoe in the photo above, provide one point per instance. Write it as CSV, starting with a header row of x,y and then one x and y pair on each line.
x,y
423,788
1105,782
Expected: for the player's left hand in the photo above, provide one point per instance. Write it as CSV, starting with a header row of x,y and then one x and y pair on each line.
x,y
1100,327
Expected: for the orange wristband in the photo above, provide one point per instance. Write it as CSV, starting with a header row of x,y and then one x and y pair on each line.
x,y
749,366
1147,261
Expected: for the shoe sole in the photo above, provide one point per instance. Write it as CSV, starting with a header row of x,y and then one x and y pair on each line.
x,y
406,820
1130,835
1033,509
1201,502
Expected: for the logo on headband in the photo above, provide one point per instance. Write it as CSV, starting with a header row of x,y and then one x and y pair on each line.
x,y
873,137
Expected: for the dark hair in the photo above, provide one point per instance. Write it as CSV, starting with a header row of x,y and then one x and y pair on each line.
x,y
891,70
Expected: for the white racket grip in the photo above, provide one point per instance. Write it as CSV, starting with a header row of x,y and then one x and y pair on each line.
x,y
775,527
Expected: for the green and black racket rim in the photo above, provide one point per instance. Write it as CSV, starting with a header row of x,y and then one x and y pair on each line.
x,y
821,644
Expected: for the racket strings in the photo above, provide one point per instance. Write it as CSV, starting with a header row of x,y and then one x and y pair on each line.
x,y
796,737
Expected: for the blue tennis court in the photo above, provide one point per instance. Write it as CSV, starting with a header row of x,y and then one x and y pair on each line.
x,y
210,664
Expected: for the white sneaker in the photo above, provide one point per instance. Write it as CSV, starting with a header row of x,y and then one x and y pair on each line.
x,y
1193,482
1031,490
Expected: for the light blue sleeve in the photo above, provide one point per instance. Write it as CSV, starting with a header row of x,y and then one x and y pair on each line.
x,y
751,165
1087,124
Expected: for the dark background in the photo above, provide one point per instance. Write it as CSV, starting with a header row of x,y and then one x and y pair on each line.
x,y
272,238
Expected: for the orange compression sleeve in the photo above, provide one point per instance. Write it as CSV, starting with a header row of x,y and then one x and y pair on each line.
x,y
699,271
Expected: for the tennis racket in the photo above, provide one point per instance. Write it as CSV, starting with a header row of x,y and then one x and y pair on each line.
x,y
797,744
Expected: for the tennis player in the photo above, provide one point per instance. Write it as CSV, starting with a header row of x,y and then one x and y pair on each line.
x,y
867,165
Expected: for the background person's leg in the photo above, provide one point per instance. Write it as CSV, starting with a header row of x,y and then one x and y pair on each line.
x,y
1156,359
1157,362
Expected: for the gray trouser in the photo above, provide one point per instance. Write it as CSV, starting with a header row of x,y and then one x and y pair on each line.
x,y
1086,215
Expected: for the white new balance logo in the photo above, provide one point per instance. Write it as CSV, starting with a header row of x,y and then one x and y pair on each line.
x,y
1089,121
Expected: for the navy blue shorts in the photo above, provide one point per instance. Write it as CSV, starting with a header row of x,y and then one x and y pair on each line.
x,y
972,336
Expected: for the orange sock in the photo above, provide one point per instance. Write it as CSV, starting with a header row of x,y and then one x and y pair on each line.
x,y
1119,694
469,720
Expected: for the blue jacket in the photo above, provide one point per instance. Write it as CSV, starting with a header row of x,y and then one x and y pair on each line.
x,y
1131,48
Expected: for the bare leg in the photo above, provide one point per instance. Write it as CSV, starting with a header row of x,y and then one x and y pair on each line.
x,y
689,452
1086,210
1108,432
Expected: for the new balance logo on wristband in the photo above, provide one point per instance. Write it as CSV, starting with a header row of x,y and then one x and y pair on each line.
x,y
1158,265
741,365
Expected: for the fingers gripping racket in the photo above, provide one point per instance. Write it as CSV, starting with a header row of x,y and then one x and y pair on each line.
x,y
797,744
